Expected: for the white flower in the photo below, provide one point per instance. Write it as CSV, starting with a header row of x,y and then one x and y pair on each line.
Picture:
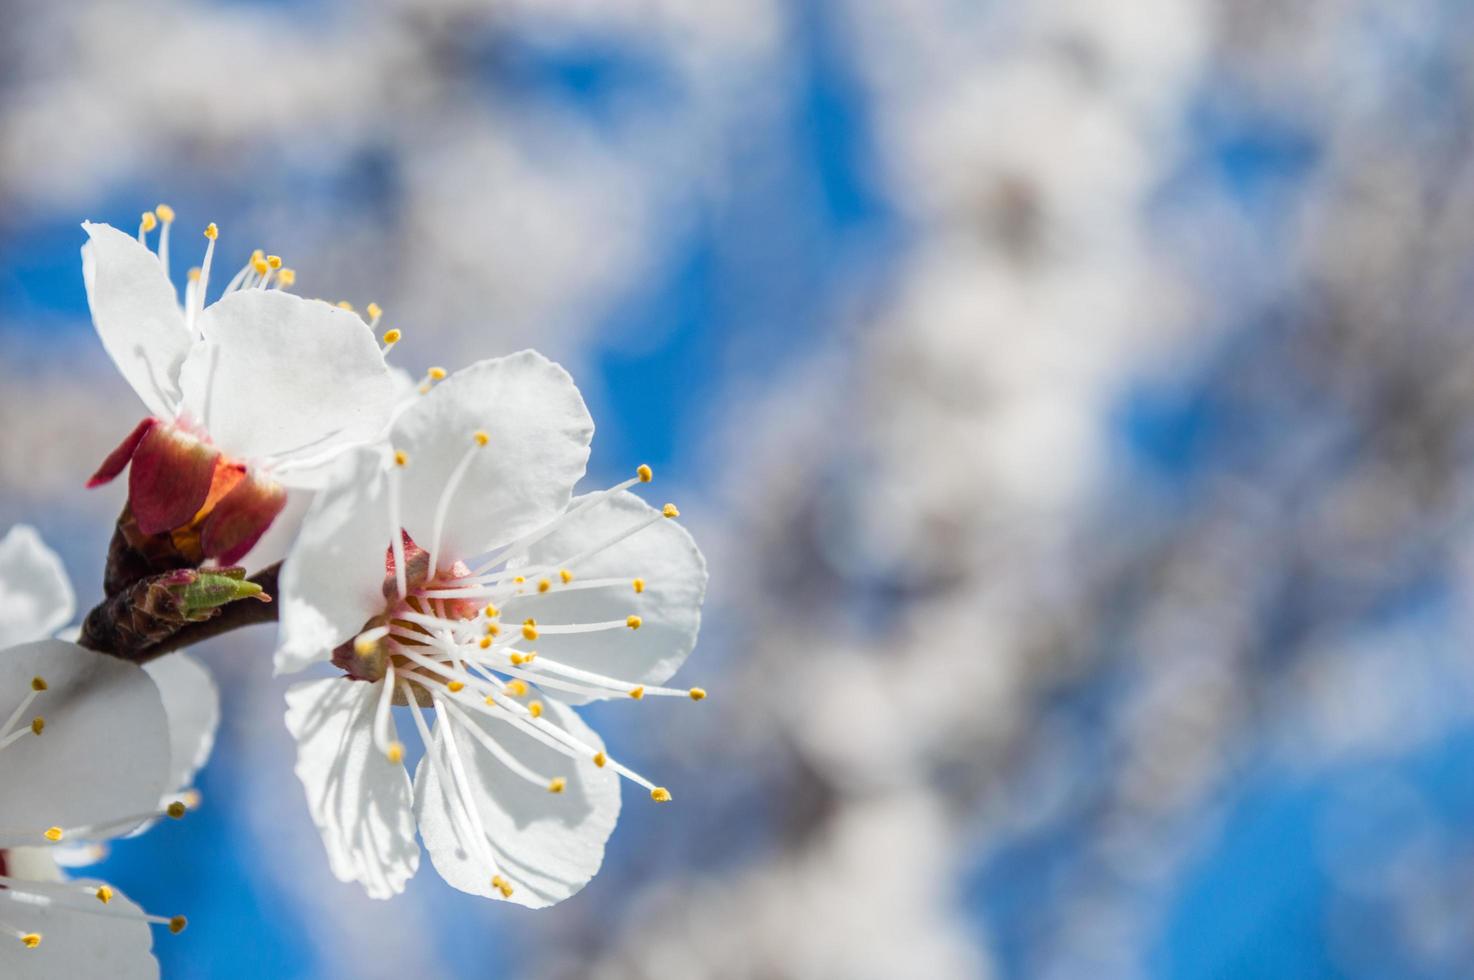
x,y
454,571
86,754
252,394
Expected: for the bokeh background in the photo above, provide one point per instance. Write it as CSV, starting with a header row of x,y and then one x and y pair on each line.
x,y
1073,399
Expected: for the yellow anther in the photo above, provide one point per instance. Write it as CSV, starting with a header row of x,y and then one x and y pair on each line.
x,y
148,223
516,658
557,784
274,261
259,266
637,692
698,693
634,622
646,474
212,231
455,687
492,629
660,794
104,893
529,621
343,304
491,701
374,310
529,632
53,834
485,643
639,585
535,708
287,277
257,255
543,585
491,611
395,752
481,436
519,580
400,459
194,274
600,759
530,656
365,645
565,575
436,373
176,810
177,924
38,683
669,510
516,687
31,940
393,335
165,213
502,885
38,725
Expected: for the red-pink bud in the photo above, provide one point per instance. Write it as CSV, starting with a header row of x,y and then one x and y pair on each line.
x,y
239,519
170,478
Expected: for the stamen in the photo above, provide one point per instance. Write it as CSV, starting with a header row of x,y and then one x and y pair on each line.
x,y
391,337
442,507
375,312
492,746
146,224
286,278
660,794
25,703
166,215
669,510
396,532
639,585
64,897
458,785
212,232
532,537
431,376
384,734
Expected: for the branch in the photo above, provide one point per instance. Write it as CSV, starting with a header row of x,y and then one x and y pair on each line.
x,y
131,625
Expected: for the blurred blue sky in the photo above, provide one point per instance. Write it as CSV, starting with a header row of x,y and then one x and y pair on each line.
x,y
780,267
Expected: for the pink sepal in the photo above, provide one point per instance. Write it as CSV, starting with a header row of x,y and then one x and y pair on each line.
x,y
118,458
240,518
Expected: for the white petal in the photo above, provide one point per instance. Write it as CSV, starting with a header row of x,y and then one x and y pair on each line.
x,y
360,801
277,374
192,704
36,599
137,315
663,555
104,753
548,845
76,944
540,433
33,863
333,578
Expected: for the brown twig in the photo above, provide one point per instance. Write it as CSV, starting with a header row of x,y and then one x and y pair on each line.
x,y
123,626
